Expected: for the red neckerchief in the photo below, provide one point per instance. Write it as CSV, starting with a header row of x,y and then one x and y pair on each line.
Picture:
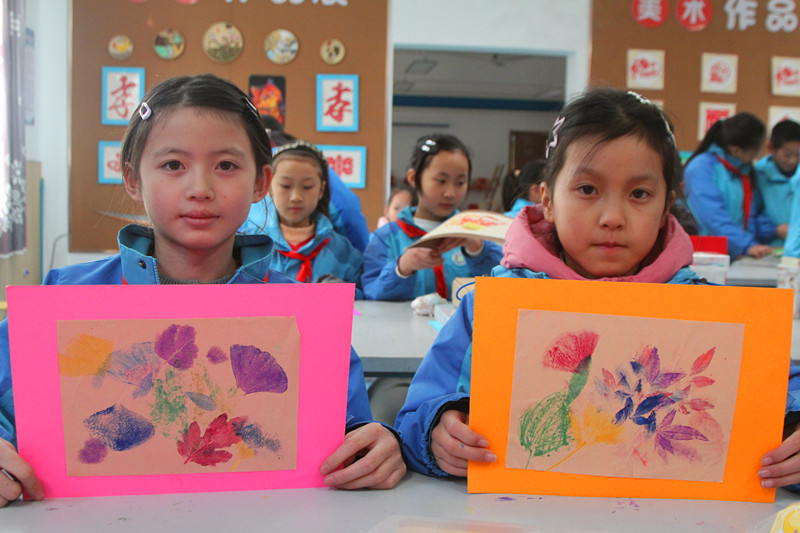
x,y
438,270
304,274
748,189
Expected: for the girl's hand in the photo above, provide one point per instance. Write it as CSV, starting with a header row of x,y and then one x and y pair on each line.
x,y
418,259
781,466
453,443
782,231
759,250
370,457
24,477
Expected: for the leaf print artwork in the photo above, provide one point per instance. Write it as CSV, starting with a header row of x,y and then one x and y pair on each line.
x,y
623,396
165,396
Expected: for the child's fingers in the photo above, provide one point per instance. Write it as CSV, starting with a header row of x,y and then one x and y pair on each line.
x,y
455,422
16,475
789,447
381,467
354,442
453,444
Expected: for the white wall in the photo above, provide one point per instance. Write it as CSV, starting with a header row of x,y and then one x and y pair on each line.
x,y
524,26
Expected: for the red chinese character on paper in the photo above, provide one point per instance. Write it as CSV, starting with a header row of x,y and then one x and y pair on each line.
x,y
121,103
343,166
713,115
650,13
114,164
643,68
694,15
339,105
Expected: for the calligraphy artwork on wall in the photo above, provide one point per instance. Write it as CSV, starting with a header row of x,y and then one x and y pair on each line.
x,y
109,167
337,102
123,89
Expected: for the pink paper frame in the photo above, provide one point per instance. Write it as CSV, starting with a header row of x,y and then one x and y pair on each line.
x,y
324,314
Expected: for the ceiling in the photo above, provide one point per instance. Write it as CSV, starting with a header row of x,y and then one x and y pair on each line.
x,y
479,75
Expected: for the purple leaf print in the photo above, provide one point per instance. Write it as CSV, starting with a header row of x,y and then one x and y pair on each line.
x,y
651,364
176,346
215,355
136,366
667,379
682,433
257,371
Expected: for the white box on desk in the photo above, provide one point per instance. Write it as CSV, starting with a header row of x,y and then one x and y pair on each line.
x,y
711,266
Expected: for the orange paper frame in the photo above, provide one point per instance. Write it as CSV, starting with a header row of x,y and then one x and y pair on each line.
x,y
760,400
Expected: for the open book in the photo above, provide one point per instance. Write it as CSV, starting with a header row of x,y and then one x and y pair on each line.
x,y
477,224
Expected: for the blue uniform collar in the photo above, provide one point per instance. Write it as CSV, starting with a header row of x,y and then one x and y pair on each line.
x,y
717,150
139,267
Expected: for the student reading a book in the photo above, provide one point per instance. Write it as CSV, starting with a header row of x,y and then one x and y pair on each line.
x,y
307,247
612,172
440,171
195,154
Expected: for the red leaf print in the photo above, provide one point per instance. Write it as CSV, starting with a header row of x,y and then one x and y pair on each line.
x,y
702,362
204,450
700,405
702,381
570,349
609,379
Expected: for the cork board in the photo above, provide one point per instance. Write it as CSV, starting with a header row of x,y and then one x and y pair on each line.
x,y
361,25
615,30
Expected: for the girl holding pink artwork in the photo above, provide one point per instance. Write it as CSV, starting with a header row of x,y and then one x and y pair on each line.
x,y
612,173
196,156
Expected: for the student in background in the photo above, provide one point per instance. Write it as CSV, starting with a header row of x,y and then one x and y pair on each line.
x,y
440,172
306,246
613,171
196,155
401,197
721,190
344,208
775,172
522,187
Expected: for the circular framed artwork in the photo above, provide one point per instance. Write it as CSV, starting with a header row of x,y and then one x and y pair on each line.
x,y
169,44
332,51
281,46
223,42
120,47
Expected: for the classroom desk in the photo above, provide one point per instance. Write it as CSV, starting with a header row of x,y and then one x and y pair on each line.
x,y
417,504
750,272
390,339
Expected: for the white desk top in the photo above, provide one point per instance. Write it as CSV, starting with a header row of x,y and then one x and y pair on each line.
x,y
751,272
390,339
417,504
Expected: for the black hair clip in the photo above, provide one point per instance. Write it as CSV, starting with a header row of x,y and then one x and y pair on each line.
x,y
429,146
251,106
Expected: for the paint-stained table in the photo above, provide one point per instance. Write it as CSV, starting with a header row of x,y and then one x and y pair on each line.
x,y
418,503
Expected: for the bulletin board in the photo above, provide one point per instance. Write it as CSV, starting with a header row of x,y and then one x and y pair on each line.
x,y
98,204
747,43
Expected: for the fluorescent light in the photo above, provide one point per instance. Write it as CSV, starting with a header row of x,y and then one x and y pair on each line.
x,y
421,66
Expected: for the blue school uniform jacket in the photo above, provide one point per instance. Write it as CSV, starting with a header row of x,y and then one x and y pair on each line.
x,y
776,190
137,267
345,214
337,257
716,198
792,245
381,282
519,203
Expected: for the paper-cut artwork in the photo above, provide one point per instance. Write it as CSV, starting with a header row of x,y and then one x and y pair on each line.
x,y
477,224
777,113
166,397
710,112
719,73
623,396
109,166
645,69
147,389
587,388
349,162
786,76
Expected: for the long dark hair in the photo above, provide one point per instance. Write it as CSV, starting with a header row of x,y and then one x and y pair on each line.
x,y
744,130
607,114
203,91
